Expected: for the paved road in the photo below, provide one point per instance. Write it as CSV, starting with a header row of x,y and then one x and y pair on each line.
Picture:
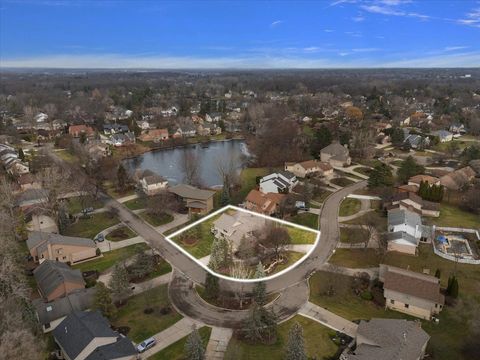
x,y
190,304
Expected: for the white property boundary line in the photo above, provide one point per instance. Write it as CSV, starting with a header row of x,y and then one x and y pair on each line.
x,y
170,237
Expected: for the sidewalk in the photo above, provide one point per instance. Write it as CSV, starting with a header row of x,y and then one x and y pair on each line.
x,y
328,319
171,335
127,198
178,219
217,345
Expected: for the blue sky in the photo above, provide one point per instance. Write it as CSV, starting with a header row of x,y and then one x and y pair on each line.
x,y
247,34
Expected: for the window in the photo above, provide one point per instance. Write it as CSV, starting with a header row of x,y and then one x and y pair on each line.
x,y
392,301
407,306
64,258
47,326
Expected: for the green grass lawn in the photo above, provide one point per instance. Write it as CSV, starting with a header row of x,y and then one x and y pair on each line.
x,y
349,206
89,227
317,337
136,204
341,181
306,219
203,246
77,204
176,350
121,233
363,170
248,182
111,258
142,325
321,195
156,220
299,236
354,235
355,258
379,219
456,323
111,190
67,156
453,216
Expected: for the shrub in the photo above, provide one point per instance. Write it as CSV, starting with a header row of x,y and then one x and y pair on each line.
x,y
366,295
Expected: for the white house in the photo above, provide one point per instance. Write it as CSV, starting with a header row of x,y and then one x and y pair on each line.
x,y
443,135
405,231
281,182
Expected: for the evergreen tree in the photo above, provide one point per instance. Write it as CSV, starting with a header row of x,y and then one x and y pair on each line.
x,y
212,289
261,325
409,168
225,199
397,136
103,301
21,154
452,287
381,175
122,178
438,273
295,349
260,288
83,138
220,255
119,283
143,265
322,138
193,347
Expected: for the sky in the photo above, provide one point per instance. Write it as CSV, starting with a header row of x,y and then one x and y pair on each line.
x,y
239,34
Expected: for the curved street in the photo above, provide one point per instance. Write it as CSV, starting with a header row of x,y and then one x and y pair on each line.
x,y
180,261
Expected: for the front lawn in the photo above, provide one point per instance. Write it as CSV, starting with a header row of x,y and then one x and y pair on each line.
x,y
78,203
67,156
363,170
455,217
299,236
317,337
354,235
143,326
111,258
202,234
293,257
341,181
112,190
136,204
377,218
122,233
89,227
349,206
176,350
156,220
306,219
355,258
320,195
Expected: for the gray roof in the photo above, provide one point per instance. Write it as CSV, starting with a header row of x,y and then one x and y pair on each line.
x,y
122,348
79,328
389,339
32,195
403,216
76,301
287,174
36,238
336,149
52,274
191,192
398,235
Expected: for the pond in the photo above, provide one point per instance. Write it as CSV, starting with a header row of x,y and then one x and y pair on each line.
x,y
169,163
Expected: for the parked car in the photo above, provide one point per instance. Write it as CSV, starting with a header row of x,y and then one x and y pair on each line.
x,y
87,210
146,344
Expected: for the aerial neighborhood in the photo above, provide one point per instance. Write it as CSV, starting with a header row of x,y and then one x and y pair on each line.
x,y
188,216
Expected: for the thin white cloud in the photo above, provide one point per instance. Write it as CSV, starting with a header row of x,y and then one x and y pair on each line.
x,y
328,30
360,50
358,18
276,23
118,61
454,48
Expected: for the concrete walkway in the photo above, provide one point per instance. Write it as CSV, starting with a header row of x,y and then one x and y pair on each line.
x,y
127,198
178,219
217,345
107,245
351,170
328,319
171,335
302,248
372,272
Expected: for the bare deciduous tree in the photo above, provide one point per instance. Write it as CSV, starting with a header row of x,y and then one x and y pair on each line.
x,y
190,167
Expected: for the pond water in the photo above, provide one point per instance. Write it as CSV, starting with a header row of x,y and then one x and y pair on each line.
x,y
168,163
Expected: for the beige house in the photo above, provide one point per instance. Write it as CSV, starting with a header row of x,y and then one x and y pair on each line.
x,y
152,183
418,179
388,339
197,201
410,292
336,155
458,179
87,335
309,168
55,279
413,202
48,246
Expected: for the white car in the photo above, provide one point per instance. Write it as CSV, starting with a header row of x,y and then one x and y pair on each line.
x,y
146,344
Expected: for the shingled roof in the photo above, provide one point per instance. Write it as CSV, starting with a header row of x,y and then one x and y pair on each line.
x,y
52,274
